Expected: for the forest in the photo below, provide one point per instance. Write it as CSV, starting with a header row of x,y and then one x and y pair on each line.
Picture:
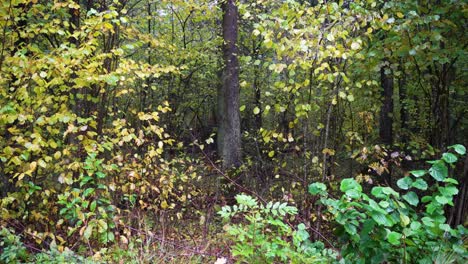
x,y
233,131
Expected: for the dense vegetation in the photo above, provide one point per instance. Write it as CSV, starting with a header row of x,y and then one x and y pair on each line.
x,y
286,131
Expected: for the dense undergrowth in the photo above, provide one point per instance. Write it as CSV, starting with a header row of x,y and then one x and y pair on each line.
x,y
117,121
383,225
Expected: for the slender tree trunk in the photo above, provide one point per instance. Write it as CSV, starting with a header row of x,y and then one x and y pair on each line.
x,y
440,109
386,111
403,107
229,136
386,115
76,102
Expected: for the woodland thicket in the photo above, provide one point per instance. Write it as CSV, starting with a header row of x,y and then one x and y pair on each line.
x,y
261,131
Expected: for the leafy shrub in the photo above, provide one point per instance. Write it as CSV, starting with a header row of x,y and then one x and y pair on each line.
x,y
14,251
391,226
261,235
88,208
11,248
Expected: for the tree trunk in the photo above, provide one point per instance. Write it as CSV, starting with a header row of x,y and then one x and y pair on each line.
x,y
440,109
229,137
386,115
386,111
404,137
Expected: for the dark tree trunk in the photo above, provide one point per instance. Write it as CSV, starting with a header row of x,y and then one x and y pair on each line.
x,y
403,107
386,115
229,136
386,111
440,109
458,213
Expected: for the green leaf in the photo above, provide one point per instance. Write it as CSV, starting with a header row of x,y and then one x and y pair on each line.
x,y
445,227
355,194
426,199
427,221
405,220
411,198
350,184
449,158
448,191
301,234
438,171
378,192
88,231
388,190
110,236
384,204
92,207
394,238
418,173
451,180
317,188
404,183
415,225
111,79
442,199
102,226
460,149
380,218
420,184
376,207
351,229
88,191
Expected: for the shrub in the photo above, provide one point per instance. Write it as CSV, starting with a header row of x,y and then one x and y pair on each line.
x,y
260,234
407,226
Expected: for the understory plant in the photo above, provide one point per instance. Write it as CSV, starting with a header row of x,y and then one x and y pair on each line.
x,y
87,207
13,250
261,234
407,225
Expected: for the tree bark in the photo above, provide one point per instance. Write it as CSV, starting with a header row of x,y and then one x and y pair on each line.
x,y
229,136
386,116
403,106
440,108
386,111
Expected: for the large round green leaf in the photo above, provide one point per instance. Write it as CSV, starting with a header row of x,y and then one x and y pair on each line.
x,y
411,198
449,157
350,184
460,149
394,238
420,184
317,188
439,171
405,183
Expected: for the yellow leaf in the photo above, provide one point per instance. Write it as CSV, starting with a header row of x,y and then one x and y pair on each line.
x,y
32,166
328,151
256,111
42,163
271,154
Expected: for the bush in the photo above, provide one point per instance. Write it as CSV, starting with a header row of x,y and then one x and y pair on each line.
x,y
260,234
407,226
